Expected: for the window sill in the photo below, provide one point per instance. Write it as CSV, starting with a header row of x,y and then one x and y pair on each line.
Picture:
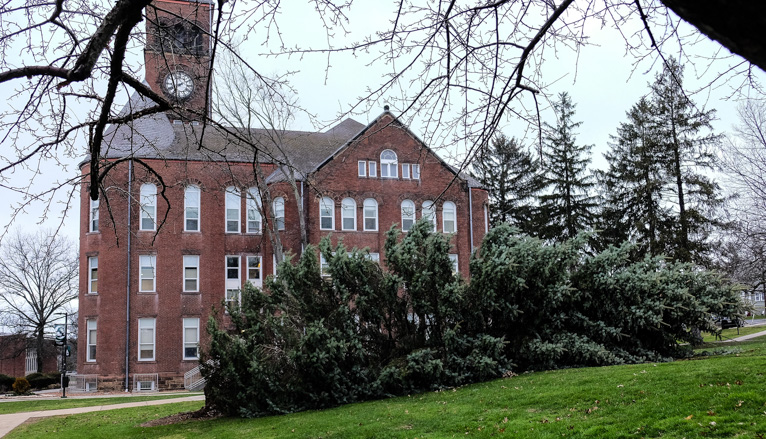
x,y
147,293
93,233
193,232
191,293
147,361
190,360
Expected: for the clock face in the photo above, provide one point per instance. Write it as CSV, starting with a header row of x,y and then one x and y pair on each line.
x,y
179,84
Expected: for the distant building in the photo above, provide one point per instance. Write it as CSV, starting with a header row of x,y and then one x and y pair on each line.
x,y
181,225
18,357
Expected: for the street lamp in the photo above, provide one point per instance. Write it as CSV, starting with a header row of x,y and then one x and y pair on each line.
x,y
61,339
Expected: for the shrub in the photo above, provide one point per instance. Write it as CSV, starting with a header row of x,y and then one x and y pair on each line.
x,y
21,386
40,381
6,382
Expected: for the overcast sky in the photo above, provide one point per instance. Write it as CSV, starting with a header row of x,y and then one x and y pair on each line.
x,y
601,80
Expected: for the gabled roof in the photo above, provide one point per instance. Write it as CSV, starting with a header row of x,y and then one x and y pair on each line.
x,y
156,137
472,182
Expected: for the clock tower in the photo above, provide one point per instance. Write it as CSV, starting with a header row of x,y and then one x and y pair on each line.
x,y
177,53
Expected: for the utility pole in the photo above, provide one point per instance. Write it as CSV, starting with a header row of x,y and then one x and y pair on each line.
x,y
61,339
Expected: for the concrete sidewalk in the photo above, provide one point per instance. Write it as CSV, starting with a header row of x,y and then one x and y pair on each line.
x,y
744,337
13,420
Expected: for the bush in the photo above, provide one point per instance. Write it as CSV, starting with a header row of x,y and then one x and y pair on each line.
x,y
6,382
40,381
21,386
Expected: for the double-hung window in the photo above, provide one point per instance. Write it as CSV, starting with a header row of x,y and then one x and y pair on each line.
x,y
388,164
370,215
348,214
191,338
233,283
416,172
254,270
93,275
326,214
453,259
191,209
146,332
92,328
373,169
429,212
232,209
408,215
449,213
405,170
279,213
362,168
147,273
253,210
148,206
93,215
191,273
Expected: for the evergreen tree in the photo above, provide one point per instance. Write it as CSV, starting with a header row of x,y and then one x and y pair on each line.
x,y
632,186
513,178
567,206
685,134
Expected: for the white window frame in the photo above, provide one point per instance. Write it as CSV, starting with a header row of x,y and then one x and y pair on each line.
x,y
148,207
324,266
408,214
91,326
255,281
365,216
429,212
455,266
326,212
148,324
389,167
191,323
151,262
348,212
233,201
94,215
361,168
416,172
190,261
92,274
372,169
253,211
191,208
373,256
406,171
449,214
233,284
278,207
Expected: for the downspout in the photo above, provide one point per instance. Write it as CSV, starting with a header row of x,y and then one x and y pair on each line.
x,y
127,292
470,215
303,212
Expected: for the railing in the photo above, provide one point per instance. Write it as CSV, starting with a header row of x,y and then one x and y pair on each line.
x,y
83,383
145,382
193,380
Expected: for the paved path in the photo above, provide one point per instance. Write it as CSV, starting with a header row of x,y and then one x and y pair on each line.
x,y
744,337
13,420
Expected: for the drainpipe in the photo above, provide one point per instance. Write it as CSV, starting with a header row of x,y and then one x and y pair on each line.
x,y
470,215
303,212
127,292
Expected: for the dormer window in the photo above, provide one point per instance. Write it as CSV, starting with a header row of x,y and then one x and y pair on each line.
x,y
388,164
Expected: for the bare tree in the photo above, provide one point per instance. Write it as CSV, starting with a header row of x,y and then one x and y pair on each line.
x,y
461,68
38,277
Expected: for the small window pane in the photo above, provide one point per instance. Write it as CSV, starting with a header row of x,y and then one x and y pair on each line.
x,y
416,172
405,170
279,213
373,169
362,165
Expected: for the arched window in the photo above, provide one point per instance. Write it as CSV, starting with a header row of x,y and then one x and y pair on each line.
x,y
279,213
429,212
191,209
408,215
388,164
348,214
232,209
448,217
370,215
326,214
253,206
148,206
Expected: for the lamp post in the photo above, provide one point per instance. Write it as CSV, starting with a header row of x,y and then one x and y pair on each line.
x,y
61,337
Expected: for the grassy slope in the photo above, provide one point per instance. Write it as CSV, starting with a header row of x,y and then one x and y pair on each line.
x,y
721,396
55,404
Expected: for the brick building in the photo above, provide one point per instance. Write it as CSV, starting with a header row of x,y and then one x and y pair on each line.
x,y
185,216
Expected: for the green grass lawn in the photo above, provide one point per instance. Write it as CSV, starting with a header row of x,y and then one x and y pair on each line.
x,y
54,404
716,396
